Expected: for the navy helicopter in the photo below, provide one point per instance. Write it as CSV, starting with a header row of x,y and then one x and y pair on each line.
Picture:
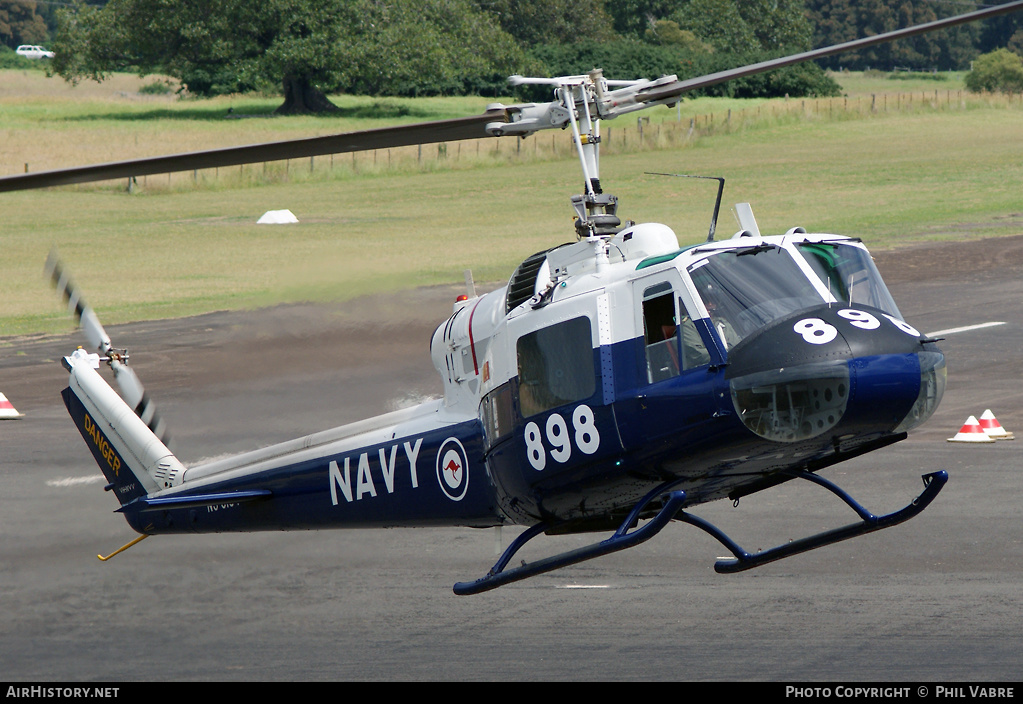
x,y
613,383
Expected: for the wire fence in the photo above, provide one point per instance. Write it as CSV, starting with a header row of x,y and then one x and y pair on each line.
x,y
623,135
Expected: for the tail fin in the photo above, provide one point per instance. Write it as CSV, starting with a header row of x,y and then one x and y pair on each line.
x,y
132,458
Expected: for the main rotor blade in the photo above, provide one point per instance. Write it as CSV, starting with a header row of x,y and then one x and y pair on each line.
x,y
381,138
672,90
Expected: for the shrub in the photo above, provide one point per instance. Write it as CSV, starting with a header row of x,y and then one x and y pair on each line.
x,y
8,59
999,71
156,88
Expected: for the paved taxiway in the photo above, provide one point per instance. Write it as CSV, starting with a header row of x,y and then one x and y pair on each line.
x,y
936,599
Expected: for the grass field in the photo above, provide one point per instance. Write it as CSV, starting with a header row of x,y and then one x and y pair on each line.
x,y
934,167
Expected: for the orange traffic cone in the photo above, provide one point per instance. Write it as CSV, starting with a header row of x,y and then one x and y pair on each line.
x,y
971,432
993,428
7,409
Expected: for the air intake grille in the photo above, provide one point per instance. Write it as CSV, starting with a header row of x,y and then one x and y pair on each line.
x,y
522,284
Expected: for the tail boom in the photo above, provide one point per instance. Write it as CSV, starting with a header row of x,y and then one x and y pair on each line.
x,y
412,472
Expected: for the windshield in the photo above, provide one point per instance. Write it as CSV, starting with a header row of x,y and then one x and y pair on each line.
x,y
849,274
745,290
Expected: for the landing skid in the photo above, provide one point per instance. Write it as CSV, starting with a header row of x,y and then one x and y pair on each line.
x,y
868,524
621,540
672,510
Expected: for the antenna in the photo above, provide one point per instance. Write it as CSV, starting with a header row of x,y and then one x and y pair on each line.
x,y
717,201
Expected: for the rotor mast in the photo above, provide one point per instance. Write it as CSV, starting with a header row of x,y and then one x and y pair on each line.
x,y
580,102
595,210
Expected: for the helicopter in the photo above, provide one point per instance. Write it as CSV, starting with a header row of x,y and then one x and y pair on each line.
x,y
612,384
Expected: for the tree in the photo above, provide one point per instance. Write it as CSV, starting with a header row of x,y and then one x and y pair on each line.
x,y
20,23
430,47
1015,44
999,71
631,58
633,17
717,22
304,48
212,46
997,32
778,25
533,22
837,21
729,25
697,37
668,33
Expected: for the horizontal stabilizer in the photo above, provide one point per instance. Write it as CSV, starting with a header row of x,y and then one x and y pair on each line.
x,y
196,500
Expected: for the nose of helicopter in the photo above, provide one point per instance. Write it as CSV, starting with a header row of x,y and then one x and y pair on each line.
x,y
839,369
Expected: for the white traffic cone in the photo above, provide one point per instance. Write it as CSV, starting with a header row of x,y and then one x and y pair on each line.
x,y
971,432
993,428
7,409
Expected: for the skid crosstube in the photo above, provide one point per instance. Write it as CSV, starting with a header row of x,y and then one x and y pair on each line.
x,y
672,510
621,540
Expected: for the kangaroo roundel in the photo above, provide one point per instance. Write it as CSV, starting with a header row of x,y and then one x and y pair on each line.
x,y
452,469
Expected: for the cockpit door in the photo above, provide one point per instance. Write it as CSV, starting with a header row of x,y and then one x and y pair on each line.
x,y
673,384
673,339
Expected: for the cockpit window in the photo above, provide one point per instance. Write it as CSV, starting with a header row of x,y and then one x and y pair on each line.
x,y
849,273
746,289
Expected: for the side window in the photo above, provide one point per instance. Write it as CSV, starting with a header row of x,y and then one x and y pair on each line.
x,y
556,366
660,332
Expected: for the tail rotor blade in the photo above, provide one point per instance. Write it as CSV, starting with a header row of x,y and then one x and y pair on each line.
x,y
94,332
84,315
134,394
132,391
